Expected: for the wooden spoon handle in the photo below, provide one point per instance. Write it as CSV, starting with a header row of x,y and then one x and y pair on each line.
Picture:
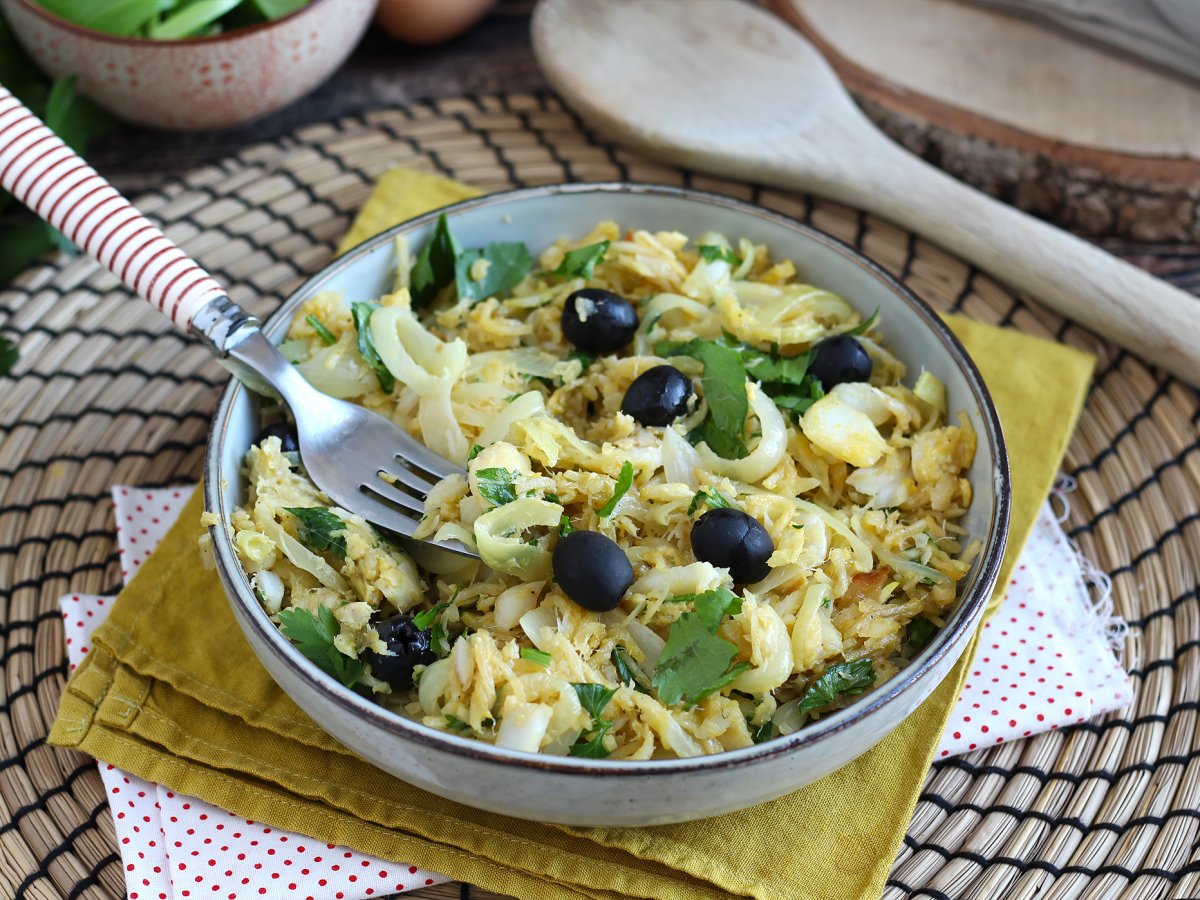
x,y
1125,304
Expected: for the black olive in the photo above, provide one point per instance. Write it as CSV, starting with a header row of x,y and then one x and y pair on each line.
x,y
730,539
598,321
286,434
592,570
658,396
411,648
838,360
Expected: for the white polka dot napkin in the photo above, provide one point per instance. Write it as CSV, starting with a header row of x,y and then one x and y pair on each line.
x,y
1044,661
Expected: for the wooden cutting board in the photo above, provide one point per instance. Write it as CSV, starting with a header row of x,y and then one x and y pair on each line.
x,y
1068,130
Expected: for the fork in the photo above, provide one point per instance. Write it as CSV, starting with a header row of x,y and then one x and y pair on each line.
x,y
363,462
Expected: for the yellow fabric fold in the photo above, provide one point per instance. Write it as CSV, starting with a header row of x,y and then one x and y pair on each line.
x,y
172,693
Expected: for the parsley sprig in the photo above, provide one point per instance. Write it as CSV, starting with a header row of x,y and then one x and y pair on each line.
x,y
321,531
497,485
361,313
443,261
580,263
711,497
840,680
624,483
593,698
724,385
313,636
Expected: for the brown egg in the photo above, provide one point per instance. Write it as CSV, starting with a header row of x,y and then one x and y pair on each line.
x,y
429,21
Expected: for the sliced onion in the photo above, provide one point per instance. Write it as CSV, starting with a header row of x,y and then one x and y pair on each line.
x,y
498,536
434,681
523,726
537,619
694,578
788,717
303,558
648,642
863,560
515,602
766,455
680,459
527,406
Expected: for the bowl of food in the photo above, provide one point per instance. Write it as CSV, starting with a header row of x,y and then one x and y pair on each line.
x,y
187,66
740,500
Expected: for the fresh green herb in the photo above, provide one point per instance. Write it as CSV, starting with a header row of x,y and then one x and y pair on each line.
x,y
840,680
827,601
534,655
435,265
593,698
724,384
496,485
454,723
437,639
361,313
323,333
585,359
694,663
564,526
320,530
551,498
798,525
864,326
713,252
712,606
579,263
476,449
624,483
9,354
763,732
170,19
511,397
785,379
706,495
629,672
507,266
313,636
424,619
919,633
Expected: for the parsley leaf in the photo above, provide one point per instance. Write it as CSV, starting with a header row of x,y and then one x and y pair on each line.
x,y
840,680
919,633
585,359
724,384
864,326
712,606
323,333
424,619
624,483
435,265
713,252
763,732
564,526
715,500
476,449
496,485
628,671
454,723
541,657
694,663
320,530
593,698
580,262
9,354
594,747
507,265
313,637
366,344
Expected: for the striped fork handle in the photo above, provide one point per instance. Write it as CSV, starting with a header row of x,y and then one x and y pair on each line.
x,y
46,175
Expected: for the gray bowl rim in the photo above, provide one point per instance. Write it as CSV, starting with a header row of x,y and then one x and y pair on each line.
x,y
964,618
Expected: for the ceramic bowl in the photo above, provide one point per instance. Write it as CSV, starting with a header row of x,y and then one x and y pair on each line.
x,y
210,82
600,792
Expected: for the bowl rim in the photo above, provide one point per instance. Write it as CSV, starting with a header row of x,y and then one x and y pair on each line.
x,y
961,624
54,19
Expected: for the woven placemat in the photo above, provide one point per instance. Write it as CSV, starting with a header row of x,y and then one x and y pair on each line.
x,y
106,392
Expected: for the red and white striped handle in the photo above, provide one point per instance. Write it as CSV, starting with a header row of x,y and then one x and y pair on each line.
x,y
46,175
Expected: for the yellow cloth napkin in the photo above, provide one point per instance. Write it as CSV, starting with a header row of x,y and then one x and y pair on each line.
x,y
172,693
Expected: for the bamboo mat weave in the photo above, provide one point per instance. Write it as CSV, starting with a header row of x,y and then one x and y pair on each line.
x,y
106,392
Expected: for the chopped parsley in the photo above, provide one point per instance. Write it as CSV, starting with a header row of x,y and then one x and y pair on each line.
x,y
713,252
564,526
785,379
864,326
706,495
496,485
919,633
629,673
724,384
323,333
476,449
434,268
424,619
763,732
712,606
624,483
454,723
313,636
320,530
580,263
507,265
840,680
694,663
540,657
366,344
593,698
585,359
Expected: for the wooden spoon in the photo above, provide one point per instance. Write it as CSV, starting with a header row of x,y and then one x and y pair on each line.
x,y
724,87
